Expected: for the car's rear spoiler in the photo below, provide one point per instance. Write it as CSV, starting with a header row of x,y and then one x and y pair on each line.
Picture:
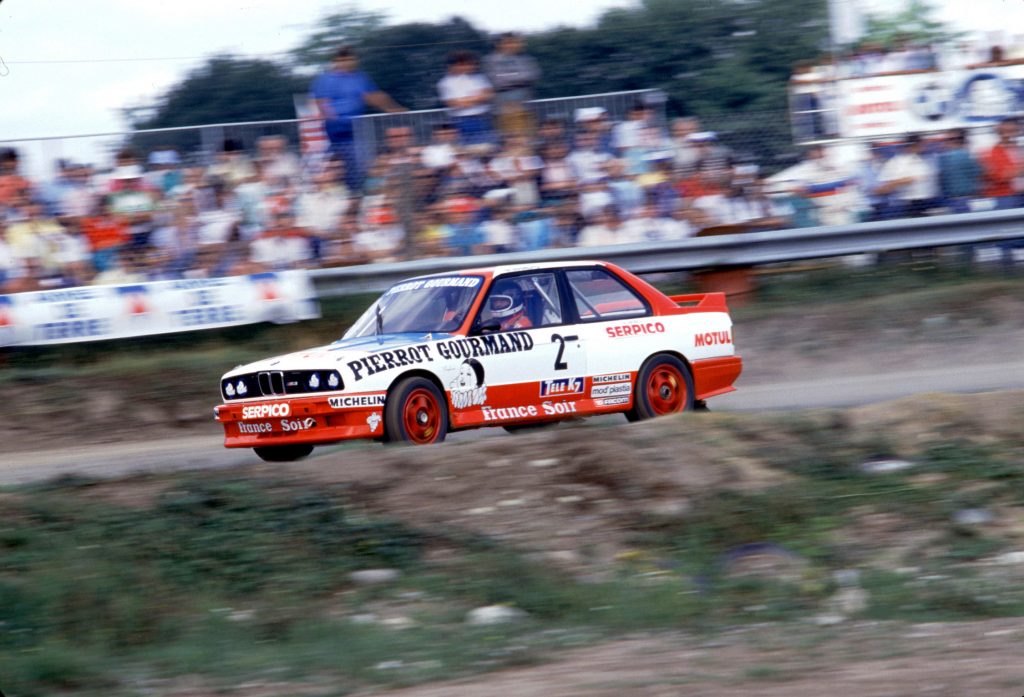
x,y
701,302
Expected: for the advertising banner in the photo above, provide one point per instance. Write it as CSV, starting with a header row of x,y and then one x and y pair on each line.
x,y
96,313
894,104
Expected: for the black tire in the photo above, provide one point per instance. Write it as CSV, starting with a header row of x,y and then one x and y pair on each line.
x,y
416,412
283,453
664,386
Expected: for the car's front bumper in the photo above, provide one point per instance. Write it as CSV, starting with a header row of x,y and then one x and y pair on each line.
x,y
295,420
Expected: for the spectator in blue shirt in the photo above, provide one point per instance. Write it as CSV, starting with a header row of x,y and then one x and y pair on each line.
x,y
342,93
960,175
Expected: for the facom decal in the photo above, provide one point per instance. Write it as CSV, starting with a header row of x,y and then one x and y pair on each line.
x,y
618,388
611,401
635,329
468,388
713,338
306,424
373,421
357,401
472,347
561,386
255,428
611,377
262,411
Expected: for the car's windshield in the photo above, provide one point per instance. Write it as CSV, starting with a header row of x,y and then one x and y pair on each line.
x,y
423,305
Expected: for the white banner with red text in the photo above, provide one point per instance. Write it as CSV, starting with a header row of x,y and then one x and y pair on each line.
x,y
97,313
895,104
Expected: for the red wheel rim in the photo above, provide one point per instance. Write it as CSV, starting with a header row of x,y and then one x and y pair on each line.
x,y
421,417
666,390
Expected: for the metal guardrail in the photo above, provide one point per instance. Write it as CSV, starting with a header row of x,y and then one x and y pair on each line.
x,y
744,249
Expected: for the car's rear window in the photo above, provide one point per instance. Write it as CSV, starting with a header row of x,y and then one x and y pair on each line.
x,y
600,295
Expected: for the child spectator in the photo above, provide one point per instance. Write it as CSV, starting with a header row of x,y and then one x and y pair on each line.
x,y
467,93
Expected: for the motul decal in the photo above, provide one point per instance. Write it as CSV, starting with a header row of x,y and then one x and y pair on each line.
x,y
713,338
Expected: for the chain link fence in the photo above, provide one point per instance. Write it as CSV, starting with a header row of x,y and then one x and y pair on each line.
x,y
763,138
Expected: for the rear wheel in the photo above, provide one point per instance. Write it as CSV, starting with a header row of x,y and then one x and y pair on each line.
x,y
283,453
415,413
663,386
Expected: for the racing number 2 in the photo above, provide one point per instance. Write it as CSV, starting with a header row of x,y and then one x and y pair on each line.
x,y
559,363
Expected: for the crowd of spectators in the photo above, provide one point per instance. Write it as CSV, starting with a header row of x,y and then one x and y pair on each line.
x,y
915,176
489,179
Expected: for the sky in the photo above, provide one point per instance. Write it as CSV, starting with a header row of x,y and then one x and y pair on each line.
x,y
42,97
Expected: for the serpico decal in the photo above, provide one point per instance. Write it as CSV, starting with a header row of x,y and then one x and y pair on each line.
x,y
262,411
635,329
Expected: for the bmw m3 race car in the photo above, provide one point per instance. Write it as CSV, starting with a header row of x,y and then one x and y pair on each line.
x,y
511,346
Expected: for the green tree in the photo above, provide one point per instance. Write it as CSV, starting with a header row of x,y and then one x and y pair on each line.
x,y
346,26
222,90
915,22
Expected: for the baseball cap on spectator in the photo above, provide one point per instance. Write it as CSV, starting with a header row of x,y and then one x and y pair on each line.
x,y
589,113
381,215
127,172
164,157
460,204
702,137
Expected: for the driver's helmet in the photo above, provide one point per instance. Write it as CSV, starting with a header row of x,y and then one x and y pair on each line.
x,y
506,300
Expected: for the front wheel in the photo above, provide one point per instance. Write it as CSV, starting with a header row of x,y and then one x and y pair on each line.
x,y
663,386
282,453
415,413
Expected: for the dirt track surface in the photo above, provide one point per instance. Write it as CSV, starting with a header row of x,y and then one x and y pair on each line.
x,y
864,659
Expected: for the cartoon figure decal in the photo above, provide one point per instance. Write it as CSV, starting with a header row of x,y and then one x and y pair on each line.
x,y
468,388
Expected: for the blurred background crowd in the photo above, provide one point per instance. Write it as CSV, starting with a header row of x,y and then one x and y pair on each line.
x,y
491,177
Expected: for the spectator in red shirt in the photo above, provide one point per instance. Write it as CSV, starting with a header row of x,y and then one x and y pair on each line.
x,y
13,186
1004,166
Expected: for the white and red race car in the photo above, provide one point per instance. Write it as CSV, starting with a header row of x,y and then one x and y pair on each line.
x,y
510,346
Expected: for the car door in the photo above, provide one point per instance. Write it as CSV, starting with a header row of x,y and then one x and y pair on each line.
x,y
614,322
532,364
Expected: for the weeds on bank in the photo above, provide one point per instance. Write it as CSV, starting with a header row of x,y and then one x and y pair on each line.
x,y
248,579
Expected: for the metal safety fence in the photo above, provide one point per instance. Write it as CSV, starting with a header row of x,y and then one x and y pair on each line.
x,y
715,252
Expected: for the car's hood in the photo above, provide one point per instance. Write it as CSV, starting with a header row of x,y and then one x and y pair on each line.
x,y
327,357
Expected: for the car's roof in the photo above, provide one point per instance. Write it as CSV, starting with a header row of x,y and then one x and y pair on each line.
x,y
515,268
503,269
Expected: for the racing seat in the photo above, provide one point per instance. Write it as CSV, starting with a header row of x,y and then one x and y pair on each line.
x,y
533,305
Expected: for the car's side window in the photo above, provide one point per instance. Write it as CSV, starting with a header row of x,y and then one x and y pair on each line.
x,y
600,295
522,302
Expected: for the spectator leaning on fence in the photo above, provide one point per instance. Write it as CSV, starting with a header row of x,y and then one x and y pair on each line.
x,y
910,180
959,173
1004,167
342,93
512,74
468,93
